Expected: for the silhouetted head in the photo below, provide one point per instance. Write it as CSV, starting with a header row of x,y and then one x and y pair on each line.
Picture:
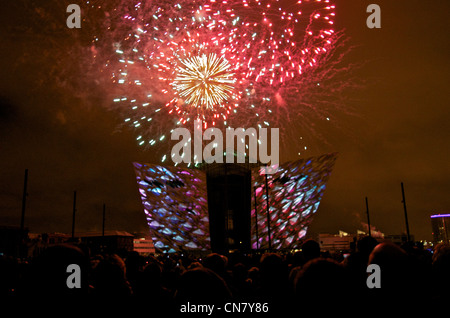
x,y
109,277
216,263
51,271
320,274
393,262
311,250
152,272
366,245
254,275
322,280
441,269
134,262
202,286
239,272
441,254
273,272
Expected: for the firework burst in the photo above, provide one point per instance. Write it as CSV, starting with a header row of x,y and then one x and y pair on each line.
x,y
205,81
228,63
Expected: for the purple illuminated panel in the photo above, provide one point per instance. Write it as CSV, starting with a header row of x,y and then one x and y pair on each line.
x,y
175,205
295,191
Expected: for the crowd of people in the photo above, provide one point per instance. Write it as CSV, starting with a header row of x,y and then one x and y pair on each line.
x,y
279,280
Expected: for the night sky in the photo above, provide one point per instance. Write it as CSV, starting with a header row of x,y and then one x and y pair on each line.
x,y
398,129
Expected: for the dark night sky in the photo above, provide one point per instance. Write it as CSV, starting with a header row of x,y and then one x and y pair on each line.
x,y
400,132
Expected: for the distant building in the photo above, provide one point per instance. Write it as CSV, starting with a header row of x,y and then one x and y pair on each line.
x,y
336,243
398,239
345,242
440,224
118,242
144,246
55,238
39,242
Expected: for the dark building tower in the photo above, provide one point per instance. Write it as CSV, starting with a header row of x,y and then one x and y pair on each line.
x,y
440,223
229,206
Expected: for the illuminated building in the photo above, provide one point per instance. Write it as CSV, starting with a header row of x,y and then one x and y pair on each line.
x,y
440,223
143,245
336,243
178,204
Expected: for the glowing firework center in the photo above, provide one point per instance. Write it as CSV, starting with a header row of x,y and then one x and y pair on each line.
x,y
204,81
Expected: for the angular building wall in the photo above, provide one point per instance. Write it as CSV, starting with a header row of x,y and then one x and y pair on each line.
x,y
176,206
294,191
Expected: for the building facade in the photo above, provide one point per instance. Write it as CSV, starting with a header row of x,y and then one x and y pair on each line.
x,y
144,246
280,207
440,224
118,242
